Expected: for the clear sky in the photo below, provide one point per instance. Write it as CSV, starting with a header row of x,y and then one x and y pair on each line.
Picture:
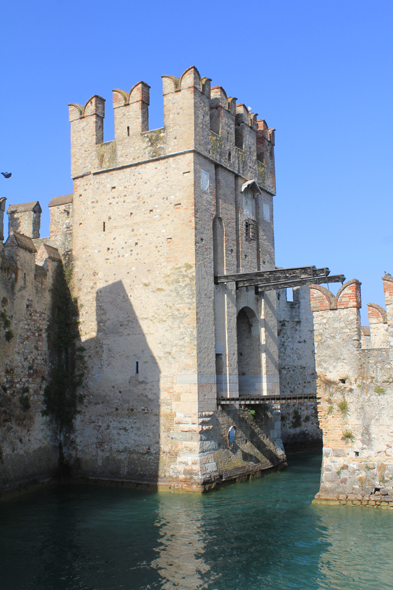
x,y
319,72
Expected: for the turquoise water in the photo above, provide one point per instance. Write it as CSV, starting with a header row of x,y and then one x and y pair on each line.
x,y
258,535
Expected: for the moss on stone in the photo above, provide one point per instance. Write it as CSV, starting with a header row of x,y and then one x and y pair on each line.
x,y
296,419
5,320
216,145
379,389
61,397
261,173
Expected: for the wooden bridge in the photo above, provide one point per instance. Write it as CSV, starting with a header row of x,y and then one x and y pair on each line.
x,y
266,399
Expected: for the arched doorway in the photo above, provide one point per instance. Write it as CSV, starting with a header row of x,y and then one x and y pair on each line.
x,y
249,353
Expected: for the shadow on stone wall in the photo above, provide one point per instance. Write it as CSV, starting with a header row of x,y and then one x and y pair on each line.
x,y
300,427
117,435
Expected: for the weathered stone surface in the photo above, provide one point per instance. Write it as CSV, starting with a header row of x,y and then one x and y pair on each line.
x,y
355,396
154,215
27,452
299,421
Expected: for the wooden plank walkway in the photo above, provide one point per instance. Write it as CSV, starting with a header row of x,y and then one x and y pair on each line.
x,y
266,399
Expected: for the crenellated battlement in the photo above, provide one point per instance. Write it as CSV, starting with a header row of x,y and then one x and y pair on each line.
x,y
349,298
131,110
25,219
190,78
3,201
196,118
26,264
24,222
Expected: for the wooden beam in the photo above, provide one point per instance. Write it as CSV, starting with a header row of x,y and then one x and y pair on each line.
x,y
296,283
331,279
278,274
319,272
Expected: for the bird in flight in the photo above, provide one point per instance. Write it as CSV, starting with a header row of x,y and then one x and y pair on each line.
x,y
7,174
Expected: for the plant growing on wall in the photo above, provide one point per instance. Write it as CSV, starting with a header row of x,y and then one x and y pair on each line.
x,y
24,399
348,436
343,406
296,419
67,363
5,320
379,389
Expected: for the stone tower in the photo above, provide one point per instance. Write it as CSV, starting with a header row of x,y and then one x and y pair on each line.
x,y
157,214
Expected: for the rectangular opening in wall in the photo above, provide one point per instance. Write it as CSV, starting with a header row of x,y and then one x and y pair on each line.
x,y
219,364
137,368
290,295
251,228
103,226
220,371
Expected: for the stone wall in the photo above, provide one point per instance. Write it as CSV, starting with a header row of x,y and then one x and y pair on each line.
x,y
27,450
61,222
355,396
154,215
300,428
154,211
299,420
25,219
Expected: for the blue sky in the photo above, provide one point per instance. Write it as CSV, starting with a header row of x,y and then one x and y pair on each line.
x,y
319,72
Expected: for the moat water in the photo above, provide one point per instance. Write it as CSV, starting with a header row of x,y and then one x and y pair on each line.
x,y
259,535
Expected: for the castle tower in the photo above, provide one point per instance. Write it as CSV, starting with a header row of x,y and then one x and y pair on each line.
x,y
156,215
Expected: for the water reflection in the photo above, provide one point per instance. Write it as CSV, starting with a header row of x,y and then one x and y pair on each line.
x,y
262,535
181,550
359,547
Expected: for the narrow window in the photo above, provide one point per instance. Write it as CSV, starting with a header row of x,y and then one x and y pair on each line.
x,y
251,230
219,364
128,131
103,226
136,367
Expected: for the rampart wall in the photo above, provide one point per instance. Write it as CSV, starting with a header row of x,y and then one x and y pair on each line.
x,y
355,396
28,450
